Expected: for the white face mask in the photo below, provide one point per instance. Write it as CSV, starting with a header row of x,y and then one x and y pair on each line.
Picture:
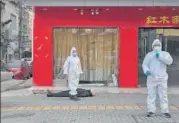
x,y
74,54
157,48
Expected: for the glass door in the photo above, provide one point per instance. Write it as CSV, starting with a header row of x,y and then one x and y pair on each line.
x,y
170,43
97,49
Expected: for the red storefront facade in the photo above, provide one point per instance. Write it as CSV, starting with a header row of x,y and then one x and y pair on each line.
x,y
127,19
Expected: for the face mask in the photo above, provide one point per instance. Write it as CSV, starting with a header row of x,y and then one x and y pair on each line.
x,y
74,54
157,48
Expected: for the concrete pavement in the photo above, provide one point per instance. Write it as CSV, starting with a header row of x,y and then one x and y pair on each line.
x,y
110,105
83,116
82,107
21,106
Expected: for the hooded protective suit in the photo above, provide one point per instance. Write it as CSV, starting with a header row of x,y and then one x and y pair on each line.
x,y
72,67
155,66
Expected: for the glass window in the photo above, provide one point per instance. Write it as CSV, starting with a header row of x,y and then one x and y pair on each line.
x,y
97,49
170,43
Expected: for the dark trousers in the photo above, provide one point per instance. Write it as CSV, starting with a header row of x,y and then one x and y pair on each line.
x,y
80,93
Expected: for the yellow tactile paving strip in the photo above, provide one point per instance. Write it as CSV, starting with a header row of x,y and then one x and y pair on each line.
x,y
80,107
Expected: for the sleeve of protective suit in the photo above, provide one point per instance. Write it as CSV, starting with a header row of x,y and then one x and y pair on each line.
x,y
166,58
79,66
145,63
66,66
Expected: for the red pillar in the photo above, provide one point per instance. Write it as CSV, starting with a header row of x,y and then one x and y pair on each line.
x,y
128,68
43,57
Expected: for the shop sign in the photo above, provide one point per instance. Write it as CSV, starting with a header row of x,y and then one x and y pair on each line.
x,y
162,20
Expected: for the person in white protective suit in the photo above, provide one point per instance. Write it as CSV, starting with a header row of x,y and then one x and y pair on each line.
x,y
154,67
72,68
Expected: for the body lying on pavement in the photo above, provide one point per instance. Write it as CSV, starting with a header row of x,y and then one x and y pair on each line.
x,y
80,93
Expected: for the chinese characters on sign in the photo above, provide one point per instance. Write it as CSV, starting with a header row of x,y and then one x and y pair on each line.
x,y
175,19
162,20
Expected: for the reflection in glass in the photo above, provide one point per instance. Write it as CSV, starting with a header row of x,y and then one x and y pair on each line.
x,y
170,43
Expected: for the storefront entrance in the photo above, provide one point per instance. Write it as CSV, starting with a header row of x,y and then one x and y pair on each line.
x,y
98,43
170,43
97,48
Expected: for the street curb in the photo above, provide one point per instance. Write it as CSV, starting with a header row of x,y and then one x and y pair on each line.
x,y
115,90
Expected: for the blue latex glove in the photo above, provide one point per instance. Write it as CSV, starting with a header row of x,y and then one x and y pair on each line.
x,y
157,54
147,73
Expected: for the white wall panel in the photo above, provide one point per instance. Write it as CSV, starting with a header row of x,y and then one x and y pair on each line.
x,y
166,3
103,2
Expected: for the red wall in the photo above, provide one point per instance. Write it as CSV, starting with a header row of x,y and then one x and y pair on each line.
x,y
127,19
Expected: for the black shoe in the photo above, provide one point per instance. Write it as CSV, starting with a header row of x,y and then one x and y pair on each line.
x,y
150,114
167,115
49,94
74,97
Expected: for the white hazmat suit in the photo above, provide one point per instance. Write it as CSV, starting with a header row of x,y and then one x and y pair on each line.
x,y
72,67
155,66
